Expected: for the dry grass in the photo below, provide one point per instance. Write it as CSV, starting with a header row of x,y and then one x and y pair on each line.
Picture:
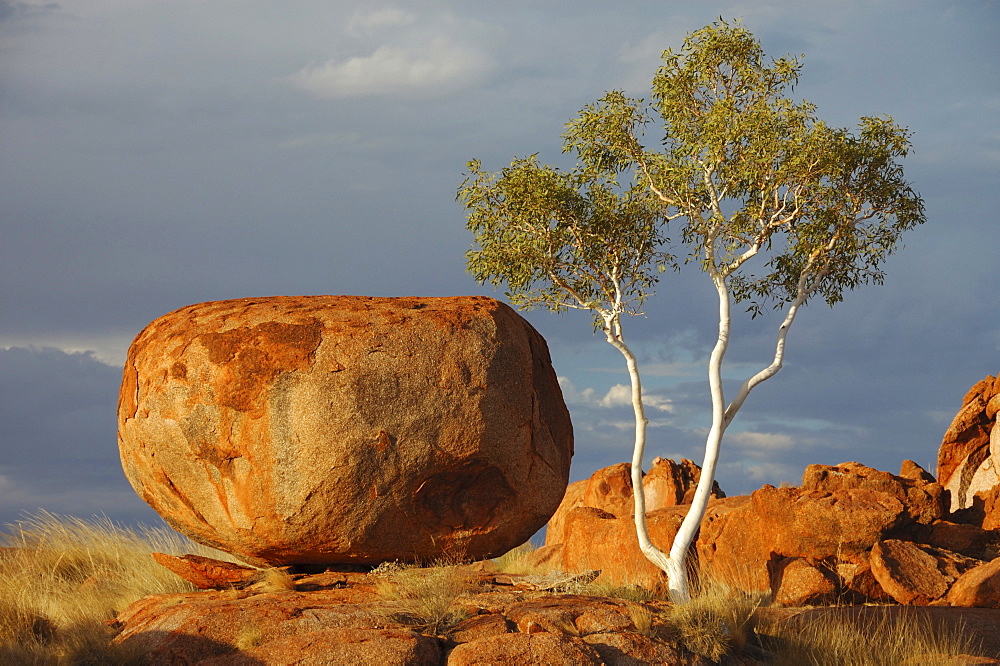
x,y
248,638
831,636
635,593
516,561
643,619
63,578
424,597
718,620
275,579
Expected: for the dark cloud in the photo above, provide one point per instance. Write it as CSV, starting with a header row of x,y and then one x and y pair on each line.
x,y
12,10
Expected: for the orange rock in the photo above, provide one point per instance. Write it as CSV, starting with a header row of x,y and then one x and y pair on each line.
x,y
925,501
915,574
798,582
628,647
968,540
741,540
909,469
347,645
978,587
597,540
556,528
521,648
345,429
480,626
572,614
858,584
966,444
669,483
546,557
610,489
206,573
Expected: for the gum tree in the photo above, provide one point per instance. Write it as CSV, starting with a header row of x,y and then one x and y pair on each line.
x,y
772,204
571,240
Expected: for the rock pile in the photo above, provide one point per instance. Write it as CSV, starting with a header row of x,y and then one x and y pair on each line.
x,y
848,534
345,429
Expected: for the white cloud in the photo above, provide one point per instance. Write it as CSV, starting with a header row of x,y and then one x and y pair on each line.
x,y
108,349
438,67
761,441
619,395
773,473
572,396
380,18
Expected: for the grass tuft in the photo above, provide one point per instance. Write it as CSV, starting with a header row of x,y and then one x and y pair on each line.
x,y
276,579
424,597
515,561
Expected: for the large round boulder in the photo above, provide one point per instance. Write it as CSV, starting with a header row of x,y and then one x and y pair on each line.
x,y
346,429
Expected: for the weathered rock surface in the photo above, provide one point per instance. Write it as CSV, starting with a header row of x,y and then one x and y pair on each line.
x,y
347,645
969,456
556,530
799,582
738,545
978,587
670,483
206,573
342,429
596,537
968,540
602,507
807,545
340,618
916,574
923,498
609,489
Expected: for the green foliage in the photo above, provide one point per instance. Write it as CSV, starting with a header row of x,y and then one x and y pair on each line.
x,y
563,240
747,169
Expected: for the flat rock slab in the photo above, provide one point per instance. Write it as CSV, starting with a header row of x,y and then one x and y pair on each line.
x,y
207,573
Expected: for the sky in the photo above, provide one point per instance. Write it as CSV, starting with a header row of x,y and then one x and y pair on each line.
x,y
159,154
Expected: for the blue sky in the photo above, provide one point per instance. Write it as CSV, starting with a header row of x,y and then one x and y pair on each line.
x,y
154,155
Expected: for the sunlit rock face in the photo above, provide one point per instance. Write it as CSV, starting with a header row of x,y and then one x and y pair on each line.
x,y
969,456
346,429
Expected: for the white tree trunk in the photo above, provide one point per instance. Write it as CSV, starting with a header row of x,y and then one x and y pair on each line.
x,y
652,553
722,416
692,521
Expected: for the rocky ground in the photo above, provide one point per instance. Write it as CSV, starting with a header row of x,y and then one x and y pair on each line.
x,y
467,615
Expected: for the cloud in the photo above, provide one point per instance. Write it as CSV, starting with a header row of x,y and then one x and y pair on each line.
x,y
761,441
380,18
11,10
768,472
439,67
619,395
109,349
